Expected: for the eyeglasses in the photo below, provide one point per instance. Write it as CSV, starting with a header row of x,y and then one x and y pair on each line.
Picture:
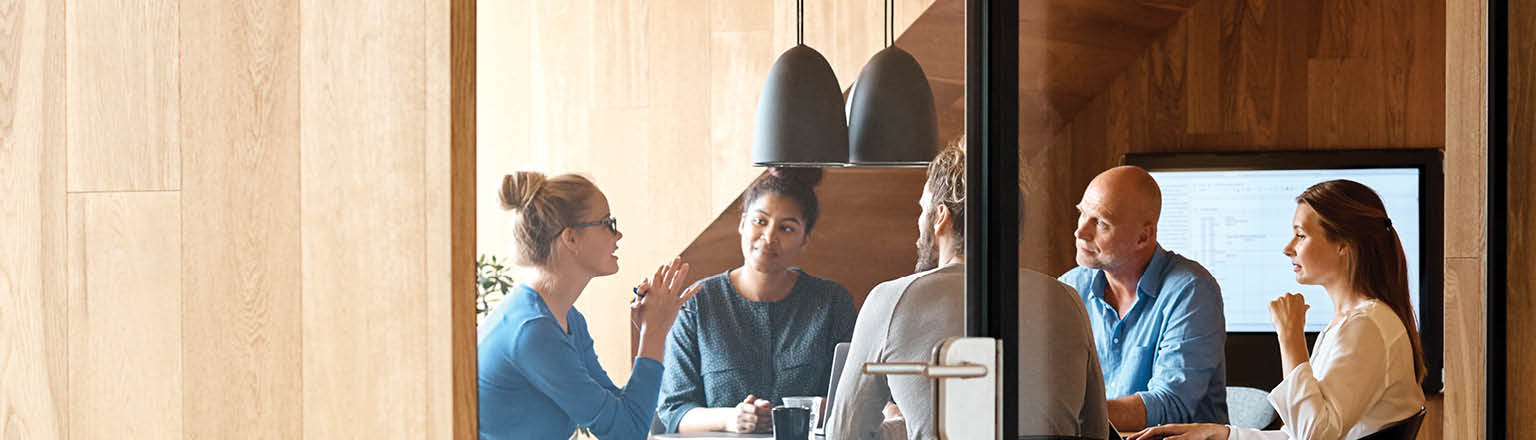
x,y
612,223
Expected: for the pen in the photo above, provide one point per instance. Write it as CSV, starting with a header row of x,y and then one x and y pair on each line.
x,y
642,296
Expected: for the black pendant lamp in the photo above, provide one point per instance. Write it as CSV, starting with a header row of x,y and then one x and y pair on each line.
x,y
891,118
800,112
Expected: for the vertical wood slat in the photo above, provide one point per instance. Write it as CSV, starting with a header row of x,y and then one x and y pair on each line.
x,y
1254,95
122,93
1165,103
1345,106
240,205
1464,349
1521,219
363,218
1202,72
125,370
450,215
33,330
55,250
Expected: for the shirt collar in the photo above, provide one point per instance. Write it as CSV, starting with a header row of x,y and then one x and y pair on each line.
x,y
1150,283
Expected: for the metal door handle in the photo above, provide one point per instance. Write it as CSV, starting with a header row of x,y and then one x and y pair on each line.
x,y
963,370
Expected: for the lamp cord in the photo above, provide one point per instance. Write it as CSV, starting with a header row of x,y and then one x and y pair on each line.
x,y
800,22
890,22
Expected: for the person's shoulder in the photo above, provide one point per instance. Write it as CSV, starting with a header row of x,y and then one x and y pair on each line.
x,y
1051,292
1078,276
1374,316
1187,271
820,284
942,280
712,287
1079,279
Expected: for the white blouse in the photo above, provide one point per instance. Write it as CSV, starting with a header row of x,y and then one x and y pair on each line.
x,y
1360,378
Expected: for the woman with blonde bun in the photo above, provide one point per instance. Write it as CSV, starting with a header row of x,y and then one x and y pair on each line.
x,y
539,377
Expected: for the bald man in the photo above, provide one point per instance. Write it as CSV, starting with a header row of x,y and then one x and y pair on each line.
x,y
1156,316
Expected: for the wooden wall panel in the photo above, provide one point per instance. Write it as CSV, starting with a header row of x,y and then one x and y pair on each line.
x,y
1521,265
125,369
122,92
1464,348
240,205
33,374
363,142
451,395
1466,106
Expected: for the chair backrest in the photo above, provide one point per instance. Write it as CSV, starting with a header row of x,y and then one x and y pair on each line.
x,y
1405,429
1249,408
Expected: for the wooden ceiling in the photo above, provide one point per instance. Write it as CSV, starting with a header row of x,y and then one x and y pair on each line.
x,y
1069,51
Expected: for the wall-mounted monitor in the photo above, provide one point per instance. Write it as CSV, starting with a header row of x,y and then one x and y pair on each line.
x,y
1232,213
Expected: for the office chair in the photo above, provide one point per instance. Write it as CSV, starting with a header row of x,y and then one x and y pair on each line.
x,y
1405,429
1249,408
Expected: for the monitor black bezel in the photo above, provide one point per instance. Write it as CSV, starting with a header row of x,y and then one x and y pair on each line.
x,y
1429,162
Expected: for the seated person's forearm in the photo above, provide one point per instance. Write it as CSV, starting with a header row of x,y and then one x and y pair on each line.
x,y
652,346
1127,413
706,419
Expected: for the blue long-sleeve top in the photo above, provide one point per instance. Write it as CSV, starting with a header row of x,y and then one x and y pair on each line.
x,y
730,346
537,381
1170,348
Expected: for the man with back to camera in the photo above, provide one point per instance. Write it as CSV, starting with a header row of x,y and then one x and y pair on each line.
x,y
903,319
1157,316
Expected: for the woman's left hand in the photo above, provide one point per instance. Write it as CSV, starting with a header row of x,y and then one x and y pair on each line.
x,y
1194,431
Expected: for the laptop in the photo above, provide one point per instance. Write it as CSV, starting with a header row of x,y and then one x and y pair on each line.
x,y
839,357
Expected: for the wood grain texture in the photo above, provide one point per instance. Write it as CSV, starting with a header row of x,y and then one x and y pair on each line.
x,y
125,369
1464,348
33,373
55,208
1345,103
122,93
1521,226
363,142
450,186
240,205
1466,107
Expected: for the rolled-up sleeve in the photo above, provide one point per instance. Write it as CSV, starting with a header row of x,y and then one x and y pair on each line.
x,y
1189,355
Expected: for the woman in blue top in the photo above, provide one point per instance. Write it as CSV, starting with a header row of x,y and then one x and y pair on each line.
x,y
762,331
538,375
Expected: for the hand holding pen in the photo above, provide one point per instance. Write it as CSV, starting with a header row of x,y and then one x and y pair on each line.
x,y
660,301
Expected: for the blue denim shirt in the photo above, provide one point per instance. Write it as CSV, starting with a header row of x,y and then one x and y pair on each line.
x,y
1170,348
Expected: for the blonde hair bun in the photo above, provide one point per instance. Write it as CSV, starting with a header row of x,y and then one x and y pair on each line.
x,y
519,188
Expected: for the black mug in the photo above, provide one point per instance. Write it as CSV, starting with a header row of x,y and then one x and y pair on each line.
x,y
791,423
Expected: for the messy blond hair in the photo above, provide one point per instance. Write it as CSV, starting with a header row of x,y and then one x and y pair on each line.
x,y
545,206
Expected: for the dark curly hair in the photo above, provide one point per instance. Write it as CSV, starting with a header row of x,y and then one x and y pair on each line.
x,y
798,184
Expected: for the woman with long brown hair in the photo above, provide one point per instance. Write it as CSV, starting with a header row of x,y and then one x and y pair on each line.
x,y
1367,365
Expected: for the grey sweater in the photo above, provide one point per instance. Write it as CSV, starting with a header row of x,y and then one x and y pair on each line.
x,y
1061,389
